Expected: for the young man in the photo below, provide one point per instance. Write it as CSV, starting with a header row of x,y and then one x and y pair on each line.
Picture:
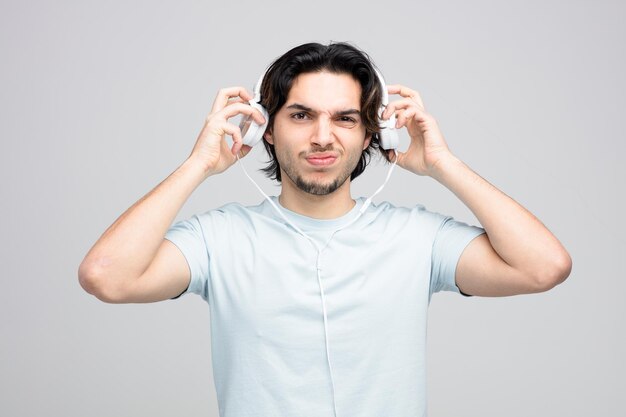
x,y
318,301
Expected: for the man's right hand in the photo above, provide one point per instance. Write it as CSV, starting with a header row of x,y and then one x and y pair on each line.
x,y
211,151
132,262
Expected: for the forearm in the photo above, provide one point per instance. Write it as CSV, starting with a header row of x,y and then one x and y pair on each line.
x,y
515,234
128,246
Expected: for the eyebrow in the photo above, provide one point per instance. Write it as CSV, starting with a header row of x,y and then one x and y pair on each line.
x,y
298,106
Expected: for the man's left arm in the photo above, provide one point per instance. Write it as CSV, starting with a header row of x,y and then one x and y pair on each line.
x,y
518,254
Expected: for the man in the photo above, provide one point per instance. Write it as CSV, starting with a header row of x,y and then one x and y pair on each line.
x,y
318,301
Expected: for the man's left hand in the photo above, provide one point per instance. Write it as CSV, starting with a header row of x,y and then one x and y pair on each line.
x,y
428,147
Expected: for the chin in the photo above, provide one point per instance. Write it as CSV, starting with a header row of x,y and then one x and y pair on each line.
x,y
319,188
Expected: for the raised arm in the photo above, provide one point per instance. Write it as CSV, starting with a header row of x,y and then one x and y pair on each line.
x,y
132,262
518,254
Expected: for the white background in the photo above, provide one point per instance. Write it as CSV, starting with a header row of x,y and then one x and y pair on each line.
x,y
100,101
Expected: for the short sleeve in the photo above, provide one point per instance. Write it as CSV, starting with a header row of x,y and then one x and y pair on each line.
x,y
451,239
188,236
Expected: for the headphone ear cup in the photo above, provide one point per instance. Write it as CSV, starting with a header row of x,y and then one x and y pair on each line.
x,y
251,132
388,134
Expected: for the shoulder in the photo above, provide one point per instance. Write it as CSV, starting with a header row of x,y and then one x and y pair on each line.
x,y
414,222
232,210
236,216
418,212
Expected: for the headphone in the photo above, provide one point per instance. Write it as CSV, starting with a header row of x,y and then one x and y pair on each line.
x,y
253,132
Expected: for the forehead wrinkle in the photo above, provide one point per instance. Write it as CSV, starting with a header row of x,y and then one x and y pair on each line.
x,y
325,92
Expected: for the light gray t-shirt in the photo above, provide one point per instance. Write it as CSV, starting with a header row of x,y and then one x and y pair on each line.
x,y
259,278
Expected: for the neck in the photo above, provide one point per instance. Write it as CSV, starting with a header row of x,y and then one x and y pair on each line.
x,y
329,206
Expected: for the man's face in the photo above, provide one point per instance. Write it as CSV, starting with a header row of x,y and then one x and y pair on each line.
x,y
318,134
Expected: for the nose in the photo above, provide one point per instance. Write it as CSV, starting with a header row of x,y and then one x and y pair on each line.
x,y
323,134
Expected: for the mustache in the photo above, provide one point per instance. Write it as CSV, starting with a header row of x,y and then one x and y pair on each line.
x,y
315,149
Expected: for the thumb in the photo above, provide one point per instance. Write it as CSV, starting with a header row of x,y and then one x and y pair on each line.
x,y
245,149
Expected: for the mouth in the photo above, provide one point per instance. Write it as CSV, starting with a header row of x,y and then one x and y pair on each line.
x,y
321,159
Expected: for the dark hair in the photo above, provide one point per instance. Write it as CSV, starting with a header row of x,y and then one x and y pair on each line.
x,y
339,58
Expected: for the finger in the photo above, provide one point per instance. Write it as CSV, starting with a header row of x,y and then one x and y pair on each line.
x,y
235,133
394,106
245,149
402,117
225,94
415,113
406,92
243,108
235,100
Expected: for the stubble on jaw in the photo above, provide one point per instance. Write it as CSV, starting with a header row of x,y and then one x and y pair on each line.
x,y
316,187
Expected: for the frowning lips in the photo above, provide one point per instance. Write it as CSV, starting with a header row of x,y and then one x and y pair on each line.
x,y
322,158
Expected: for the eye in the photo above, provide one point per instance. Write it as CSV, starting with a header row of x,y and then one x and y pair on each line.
x,y
299,116
347,121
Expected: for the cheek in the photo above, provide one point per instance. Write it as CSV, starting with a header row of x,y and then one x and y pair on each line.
x,y
283,149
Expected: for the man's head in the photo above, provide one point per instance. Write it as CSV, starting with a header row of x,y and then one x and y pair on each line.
x,y
339,95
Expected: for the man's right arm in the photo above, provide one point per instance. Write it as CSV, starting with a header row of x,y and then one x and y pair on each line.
x,y
132,262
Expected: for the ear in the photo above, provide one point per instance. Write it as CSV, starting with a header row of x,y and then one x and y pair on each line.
x,y
367,141
268,136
